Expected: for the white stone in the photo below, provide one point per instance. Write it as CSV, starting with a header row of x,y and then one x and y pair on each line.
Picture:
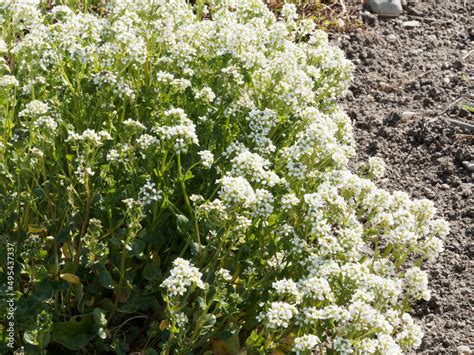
x,y
392,38
411,24
408,114
385,7
463,350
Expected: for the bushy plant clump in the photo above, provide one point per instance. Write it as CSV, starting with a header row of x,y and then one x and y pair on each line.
x,y
175,180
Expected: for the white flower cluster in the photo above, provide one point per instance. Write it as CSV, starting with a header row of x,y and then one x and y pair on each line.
x,y
207,158
89,136
307,342
8,81
34,108
327,253
182,276
376,167
148,193
181,135
278,315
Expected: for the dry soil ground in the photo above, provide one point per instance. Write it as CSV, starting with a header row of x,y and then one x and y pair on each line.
x,y
413,74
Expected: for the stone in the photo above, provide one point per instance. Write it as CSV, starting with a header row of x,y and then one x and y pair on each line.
x,y
411,24
390,8
406,115
463,350
415,12
469,166
369,18
445,187
391,38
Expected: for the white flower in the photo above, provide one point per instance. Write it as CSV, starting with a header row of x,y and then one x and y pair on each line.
x,y
376,167
196,198
287,287
113,155
236,191
182,276
89,136
337,313
205,94
288,12
416,284
432,247
224,274
207,158
440,228
148,193
315,288
146,141
306,342
387,345
279,314
46,122
289,200
34,108
263,203
180,318
410,335
342,346
133,123
8,80
254,167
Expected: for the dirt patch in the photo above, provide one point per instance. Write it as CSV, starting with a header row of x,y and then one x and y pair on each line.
x,y
413,72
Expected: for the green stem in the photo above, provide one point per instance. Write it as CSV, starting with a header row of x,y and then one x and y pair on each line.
x,y
188,204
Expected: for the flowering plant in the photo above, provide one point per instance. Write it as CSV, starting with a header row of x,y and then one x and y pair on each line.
x,y
175,179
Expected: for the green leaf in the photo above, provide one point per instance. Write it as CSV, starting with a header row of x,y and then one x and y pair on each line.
x,y
183,224
231,340
44,291
468,107
189,175
152,272
75,333
137,247
105,279
99,317
78,291
71,278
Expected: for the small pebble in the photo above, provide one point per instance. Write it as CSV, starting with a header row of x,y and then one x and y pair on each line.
x,y
391,38
411,24
463,349
468,165
408,114
446,80
445,187
429,193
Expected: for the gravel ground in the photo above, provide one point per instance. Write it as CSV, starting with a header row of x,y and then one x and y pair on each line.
x,y
413,74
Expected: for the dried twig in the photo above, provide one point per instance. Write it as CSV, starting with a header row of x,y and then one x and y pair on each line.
x,y
344,9
468,54
461,123
447,108
423,18
464,137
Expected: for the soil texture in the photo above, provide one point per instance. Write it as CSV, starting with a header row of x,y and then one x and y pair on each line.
x,y
409,102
